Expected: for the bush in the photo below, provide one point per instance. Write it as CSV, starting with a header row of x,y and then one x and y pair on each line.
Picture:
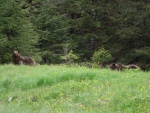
x,y
101,56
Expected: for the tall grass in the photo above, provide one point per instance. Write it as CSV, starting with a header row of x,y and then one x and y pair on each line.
x,y
61,89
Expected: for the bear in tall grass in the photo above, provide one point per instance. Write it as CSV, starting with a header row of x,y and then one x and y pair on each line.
x,y
132,66
120,67
115,66
18,59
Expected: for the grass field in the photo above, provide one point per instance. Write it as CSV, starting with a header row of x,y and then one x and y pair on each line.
x,y
61,89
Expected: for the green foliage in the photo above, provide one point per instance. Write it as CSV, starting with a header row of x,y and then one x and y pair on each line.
x,y
122,27
101,56
144,52
144,55
16,31
70,56
72,89
49,57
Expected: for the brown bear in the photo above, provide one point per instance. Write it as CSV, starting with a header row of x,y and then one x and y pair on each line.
x,y
132,66
18,59
118,67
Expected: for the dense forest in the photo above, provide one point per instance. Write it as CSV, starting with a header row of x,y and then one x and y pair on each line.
x,y
55,31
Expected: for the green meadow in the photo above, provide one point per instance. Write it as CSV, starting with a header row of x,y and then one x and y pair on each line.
x,y
62,89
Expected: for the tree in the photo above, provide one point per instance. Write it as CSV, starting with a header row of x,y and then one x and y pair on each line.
x,y
121,27
101,56
69,58
16,31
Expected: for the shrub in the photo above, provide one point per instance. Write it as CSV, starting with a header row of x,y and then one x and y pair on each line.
x,y
101,56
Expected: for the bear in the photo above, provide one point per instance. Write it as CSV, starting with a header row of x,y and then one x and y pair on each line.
x,y
114,66
132,66
19,60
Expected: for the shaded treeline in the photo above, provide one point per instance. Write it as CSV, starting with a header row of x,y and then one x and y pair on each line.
x,y
49,29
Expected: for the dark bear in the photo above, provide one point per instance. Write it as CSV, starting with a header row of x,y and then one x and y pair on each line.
x,y
18,59
132,66
118,67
